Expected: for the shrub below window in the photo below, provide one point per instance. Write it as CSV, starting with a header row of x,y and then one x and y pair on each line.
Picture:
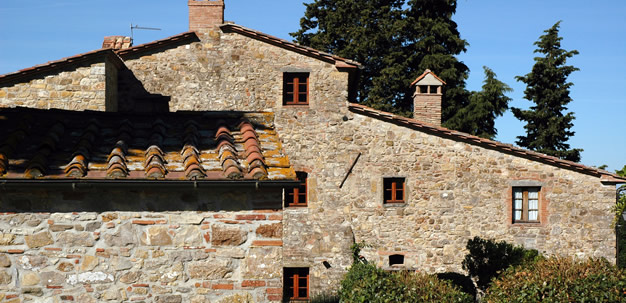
x,y
560,280
487,259
366,283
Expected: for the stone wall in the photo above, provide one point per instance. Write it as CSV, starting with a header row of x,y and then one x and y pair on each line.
x,y
456,191
233,72
156,245
82,88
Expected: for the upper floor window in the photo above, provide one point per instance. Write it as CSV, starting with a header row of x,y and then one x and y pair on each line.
x,y
296,284
526,204
297,196
395,190
295,88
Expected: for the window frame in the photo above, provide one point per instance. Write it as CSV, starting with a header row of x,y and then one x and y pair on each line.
x,y
291,86
391,184
298,193
525,209
291,278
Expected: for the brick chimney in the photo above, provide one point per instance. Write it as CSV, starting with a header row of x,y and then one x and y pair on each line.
x,y
117,42
205,14
427,98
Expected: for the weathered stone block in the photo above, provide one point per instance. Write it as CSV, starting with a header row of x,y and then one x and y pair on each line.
x,y
125,235
188,236
76,239
4,260
156,236
169,299
6,239
52,278
270,231
130,277
210,269
39,240
232,236
262,263
29,278
89,263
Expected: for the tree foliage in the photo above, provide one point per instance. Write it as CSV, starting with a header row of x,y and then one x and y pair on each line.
x,y
395,40
547,127
478,117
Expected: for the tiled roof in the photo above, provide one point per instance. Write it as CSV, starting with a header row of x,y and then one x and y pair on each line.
x,y
486,143
146,47
340,62
426,72
52,66
56,144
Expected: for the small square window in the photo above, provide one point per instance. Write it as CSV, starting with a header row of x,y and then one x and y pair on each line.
x,y
296,284
526,204
295,88
433,89
296,197
395,190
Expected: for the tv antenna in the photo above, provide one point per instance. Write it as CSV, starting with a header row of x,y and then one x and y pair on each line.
x,y
136,26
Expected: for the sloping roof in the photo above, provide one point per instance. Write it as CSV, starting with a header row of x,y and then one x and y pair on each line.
x,y
150,46
426,72
339,61
58,65
607,177
56,144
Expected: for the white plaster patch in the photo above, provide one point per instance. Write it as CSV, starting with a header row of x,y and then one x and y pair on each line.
x,y
90,277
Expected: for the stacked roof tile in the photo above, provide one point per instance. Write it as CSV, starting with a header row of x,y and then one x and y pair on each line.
x,y
56,144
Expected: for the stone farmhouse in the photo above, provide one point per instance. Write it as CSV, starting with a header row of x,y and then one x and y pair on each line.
x,y
225,164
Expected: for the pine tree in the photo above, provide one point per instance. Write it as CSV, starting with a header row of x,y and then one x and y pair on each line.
x,y
395,40
479,116
547,128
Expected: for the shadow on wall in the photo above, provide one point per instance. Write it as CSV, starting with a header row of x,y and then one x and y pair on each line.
x,y
154,199
133,96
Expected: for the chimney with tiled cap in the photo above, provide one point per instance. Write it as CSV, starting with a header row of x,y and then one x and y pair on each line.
x,y
427,98
117,42
205,14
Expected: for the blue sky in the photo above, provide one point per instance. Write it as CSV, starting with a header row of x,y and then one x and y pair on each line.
x,y
500,33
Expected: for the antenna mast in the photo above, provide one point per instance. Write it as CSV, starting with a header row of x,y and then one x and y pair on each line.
x,y
136,26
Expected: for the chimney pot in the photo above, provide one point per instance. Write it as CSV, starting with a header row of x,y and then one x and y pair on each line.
x,y
117,42
205,14
427,98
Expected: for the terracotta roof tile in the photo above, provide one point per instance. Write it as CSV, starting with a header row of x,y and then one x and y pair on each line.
x,y
426,72
150,46
506,148
338,61
57,144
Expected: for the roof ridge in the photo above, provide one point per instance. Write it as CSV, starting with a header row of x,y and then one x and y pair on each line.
x,y
51,65
290,45
156,43
504,147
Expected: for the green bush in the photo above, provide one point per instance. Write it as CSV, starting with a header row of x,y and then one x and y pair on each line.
x,y
365,282
487,259
560,280
325,298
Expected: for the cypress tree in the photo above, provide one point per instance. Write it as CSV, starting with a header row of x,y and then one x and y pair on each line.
x,y
479,116
547,128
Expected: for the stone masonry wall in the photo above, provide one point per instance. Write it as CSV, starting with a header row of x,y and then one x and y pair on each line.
x,y
233,72
145,246
79,89
455,191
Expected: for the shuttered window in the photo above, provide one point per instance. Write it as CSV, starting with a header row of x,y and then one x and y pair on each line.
x,y
296,284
